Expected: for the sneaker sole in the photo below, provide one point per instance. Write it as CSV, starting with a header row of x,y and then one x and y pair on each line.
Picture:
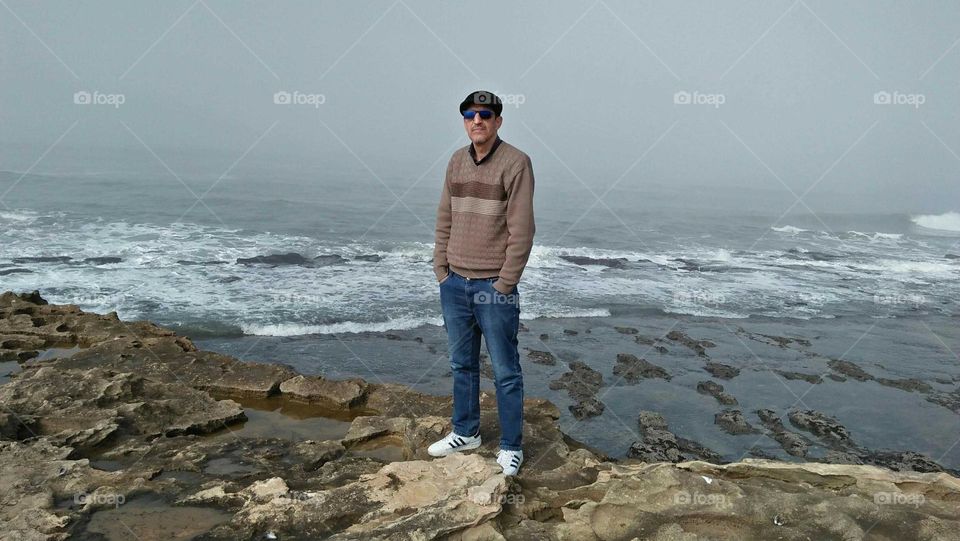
x,y
466,447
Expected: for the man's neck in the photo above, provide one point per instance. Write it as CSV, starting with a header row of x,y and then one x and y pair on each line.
x,y
481,151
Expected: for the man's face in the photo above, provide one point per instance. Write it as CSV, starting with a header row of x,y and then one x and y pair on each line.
x,y
479,130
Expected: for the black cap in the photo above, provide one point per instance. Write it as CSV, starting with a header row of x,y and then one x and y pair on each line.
x,y
484,98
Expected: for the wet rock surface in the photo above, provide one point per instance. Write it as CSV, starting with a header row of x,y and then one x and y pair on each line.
x,y
733,422
661,445
582,384
715,390
129,431
721,371
632,369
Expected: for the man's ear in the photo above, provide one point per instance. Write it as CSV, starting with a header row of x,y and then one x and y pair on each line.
x,y
499,121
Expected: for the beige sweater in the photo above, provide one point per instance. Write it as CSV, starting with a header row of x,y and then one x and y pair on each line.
x,y
485,222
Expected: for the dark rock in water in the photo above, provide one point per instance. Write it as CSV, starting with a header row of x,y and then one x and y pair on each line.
x,y
582,384
951,400
721,371
651,419
698,346
591,407
660,349
291,258
102,260
570,332
809,378
188,262
661,445
626,330
617,263
847,368
523,328
791,442
33,298
5,272
756,452
821,425
907,384
815,256
952,256
229,279
325,260
715,390
772,340
392,336
544,336
374,258
633,369
43,259
644,340
902,461
837,377
733,422
541,357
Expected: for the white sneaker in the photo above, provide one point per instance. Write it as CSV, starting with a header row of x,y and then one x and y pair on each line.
x,y
452,443
510,461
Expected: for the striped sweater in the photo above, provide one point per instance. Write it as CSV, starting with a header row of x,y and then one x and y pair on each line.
x,y
485,222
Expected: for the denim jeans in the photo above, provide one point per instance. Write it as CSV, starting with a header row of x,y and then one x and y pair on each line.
x,y
471,308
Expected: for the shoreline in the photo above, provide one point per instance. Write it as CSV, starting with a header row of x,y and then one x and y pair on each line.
x,y
201,438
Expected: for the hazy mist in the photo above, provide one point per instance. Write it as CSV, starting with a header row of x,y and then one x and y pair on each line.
x,y
788,91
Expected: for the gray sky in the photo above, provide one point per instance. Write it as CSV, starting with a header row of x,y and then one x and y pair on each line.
x,y
788,91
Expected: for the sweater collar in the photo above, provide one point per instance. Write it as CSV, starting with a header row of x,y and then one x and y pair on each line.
x,y
473,151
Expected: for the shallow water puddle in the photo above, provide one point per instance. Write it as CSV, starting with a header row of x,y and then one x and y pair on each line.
x,y
56,353
281,418
149,518
381,450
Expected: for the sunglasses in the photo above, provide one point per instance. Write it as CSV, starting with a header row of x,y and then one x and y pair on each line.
x,y
485,114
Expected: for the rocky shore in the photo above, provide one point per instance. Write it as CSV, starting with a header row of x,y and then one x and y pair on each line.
x,y
124,430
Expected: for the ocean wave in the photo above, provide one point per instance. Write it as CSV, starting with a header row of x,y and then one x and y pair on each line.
x,y
298,329
876,236
948,221
790,229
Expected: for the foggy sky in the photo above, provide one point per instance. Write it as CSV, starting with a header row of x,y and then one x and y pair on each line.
x,y
597,81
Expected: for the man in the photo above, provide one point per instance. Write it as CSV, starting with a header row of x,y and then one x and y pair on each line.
x,y
484,236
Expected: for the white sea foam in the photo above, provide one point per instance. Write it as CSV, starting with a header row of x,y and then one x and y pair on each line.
x,y
948,221
789,229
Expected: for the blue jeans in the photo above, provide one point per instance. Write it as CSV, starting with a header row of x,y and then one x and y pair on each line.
x,y
471,308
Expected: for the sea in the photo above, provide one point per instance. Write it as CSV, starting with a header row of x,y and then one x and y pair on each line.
x,y
355,295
